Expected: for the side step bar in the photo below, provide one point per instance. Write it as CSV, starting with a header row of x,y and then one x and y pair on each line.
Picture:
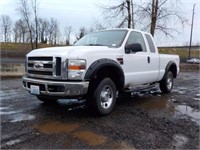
x,y
144,88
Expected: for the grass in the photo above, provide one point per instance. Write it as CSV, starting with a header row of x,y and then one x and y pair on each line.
x,y
183,54
22,46
20,49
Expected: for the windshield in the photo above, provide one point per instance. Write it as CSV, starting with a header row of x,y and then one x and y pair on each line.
x,y
111,38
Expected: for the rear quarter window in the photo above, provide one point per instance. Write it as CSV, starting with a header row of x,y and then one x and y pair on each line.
x,y
151,44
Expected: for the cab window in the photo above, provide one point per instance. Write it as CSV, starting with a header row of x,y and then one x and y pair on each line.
x,y
136,38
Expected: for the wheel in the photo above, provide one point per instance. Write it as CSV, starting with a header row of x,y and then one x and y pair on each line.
x,y
47,100
166,85
103,97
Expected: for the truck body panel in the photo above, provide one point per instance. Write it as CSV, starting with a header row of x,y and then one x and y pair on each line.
x,y
57,71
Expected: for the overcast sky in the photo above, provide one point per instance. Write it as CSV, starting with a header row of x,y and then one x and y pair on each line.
x,y
79,13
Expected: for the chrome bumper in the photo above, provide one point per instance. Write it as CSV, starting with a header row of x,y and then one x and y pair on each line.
x,y
57,88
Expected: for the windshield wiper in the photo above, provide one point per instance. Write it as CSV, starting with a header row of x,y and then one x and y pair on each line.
x,y
96,45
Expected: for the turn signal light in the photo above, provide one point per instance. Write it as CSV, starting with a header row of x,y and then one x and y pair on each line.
x,y
81,67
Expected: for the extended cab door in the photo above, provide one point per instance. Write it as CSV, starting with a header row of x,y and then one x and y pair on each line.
x,y
137,65
154,65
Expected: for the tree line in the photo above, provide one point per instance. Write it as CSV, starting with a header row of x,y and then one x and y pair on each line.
x,y
151,15
30,28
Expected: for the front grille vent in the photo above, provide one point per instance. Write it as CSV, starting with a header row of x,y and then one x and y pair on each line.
x,y
44,67
58,63
41,58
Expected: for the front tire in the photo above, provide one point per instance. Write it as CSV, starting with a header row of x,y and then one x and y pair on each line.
x,y
166,85
102,98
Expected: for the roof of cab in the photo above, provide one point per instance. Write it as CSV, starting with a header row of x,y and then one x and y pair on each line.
x,y
123,29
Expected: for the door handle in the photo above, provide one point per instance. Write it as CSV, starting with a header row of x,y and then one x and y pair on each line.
x,y
148,59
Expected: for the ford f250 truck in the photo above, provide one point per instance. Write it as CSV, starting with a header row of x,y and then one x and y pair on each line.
x,y
98,67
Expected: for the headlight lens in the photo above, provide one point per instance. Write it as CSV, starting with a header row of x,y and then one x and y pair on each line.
x,y
76,69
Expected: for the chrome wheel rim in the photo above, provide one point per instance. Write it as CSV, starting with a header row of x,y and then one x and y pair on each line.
x,y
106,96
169,83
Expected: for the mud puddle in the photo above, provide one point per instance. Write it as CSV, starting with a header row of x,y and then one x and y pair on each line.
x,y
52,127
76,131
184,110
15,116
13,142
180,90
90,138
7,94
5,111
22,117
73,130
167,105
179,141
196,97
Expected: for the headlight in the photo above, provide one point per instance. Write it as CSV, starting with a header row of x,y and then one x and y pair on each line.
x,y
76,69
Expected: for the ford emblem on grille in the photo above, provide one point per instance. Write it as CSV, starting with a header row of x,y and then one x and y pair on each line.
x,y
38,65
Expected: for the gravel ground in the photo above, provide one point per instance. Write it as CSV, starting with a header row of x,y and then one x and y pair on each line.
x,y
148,120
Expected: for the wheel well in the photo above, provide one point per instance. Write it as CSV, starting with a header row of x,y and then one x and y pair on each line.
x,y
112,73
173,69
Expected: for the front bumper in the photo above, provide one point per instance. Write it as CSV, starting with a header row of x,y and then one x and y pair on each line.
x,y
57,88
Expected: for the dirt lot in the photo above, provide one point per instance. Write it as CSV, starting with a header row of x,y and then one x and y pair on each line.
x,y
148,120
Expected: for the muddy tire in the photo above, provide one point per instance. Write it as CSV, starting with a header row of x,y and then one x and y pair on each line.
x,y
102,98
166,85
47,100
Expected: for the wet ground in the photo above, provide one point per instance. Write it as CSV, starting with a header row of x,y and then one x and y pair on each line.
x,y
147,120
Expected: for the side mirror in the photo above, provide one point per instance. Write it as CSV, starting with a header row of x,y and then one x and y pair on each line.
x,y
136,47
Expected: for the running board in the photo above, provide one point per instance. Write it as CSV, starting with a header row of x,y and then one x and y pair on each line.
x,y
141,88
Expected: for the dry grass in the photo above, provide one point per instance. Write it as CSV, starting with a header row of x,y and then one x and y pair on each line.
x,y
20,49
181,53
22,46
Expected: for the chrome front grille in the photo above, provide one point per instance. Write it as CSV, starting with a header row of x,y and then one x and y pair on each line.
x,y
45,67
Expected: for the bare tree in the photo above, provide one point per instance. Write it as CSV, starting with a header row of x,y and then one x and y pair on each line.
x,y
43,28
35,10
53,31
16,34
20,31
152,15
123,11
56,33
157,14
6,27
98,26
26,15
67,31
82,32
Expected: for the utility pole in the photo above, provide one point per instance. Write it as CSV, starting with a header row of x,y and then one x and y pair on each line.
x,y
191,31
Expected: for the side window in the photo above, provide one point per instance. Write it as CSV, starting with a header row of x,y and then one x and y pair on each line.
x,y
136,38
150,42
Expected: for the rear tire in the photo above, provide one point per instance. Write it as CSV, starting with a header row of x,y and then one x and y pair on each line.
x,y
166,85
47,100
102,98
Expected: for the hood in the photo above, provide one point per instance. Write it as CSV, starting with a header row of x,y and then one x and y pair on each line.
x,y
72,52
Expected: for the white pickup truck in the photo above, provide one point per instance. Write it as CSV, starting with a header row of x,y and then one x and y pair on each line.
x,y
98,67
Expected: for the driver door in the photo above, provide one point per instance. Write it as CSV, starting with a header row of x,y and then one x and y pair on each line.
x,y
136,64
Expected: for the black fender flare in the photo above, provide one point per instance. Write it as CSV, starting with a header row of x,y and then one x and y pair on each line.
x,y
171,63
104,62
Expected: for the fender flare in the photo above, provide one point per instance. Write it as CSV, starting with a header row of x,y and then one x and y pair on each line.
x,y
171,63
101,63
